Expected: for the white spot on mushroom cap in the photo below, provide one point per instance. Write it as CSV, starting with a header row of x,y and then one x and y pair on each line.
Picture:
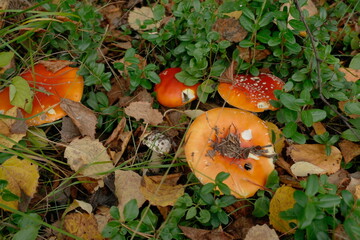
x,y
247,134
187,95
253,156
262,105
51,111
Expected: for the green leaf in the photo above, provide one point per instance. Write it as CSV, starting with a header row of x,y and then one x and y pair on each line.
x,y
308,215
186,78
21,94
223,217
29,228
307,118
261,207
352,107
354,63
204,216
290,129
328,201
224,188
221,177
191,212
227,200
153,77
159,12
5,58
131,210
266,19
246,44
351,135
312,185
289,101
114,212
150,218
297,25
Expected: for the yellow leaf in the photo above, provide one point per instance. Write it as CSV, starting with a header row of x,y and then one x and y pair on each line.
x,y
9,139
283,200
22,176
279,139
161,193
235,14
83,225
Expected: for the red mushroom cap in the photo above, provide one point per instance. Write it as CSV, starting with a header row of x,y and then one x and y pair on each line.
x,y
50,89
251,93
170,92
233,141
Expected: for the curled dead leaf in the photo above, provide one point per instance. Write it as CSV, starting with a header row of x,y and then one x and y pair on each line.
x,y
349,150
263,232
138,16
82,225
230,29
144,111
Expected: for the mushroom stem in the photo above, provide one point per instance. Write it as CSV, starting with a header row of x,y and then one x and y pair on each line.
x,y
155,160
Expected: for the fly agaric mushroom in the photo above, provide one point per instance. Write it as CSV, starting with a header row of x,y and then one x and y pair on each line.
x,y
49,88
251,93
233,141
160,145
170,92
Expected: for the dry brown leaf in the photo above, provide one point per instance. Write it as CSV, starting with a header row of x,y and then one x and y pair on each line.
x,y
349,150
144,111
55,65
248,54
340,179
277,137
102,217
230,29
241,226
6,127
315,154
139,16
160,193
78,204
22,176
84,118
202,234
351,75
303,169
319,128
4,4
228,75
282,200
354,187
127,187
117,131
82,225
113,15
89,157
262,232
123,45
235,14
68,130
284,165
140,95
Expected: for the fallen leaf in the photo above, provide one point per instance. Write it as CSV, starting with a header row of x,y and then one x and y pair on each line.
x,y
123,45
282,200
102,217
262,232
78,204
228,75
142,64
240,227
310,7
303,169
230,29
202,234
84,118
9,139
68,130
234,14
354,187
144,111
21,94
3,6
349,150
319,128
284,165
276,136
340,179
315,154
55,65
161,193
248,54
88,157
140,95
138,16
113,15
36,137
193,113
127,187
22,176
351,75
82,225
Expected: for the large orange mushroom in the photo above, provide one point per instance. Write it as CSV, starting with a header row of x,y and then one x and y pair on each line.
x,y
233,141
170,92
251,93
49,88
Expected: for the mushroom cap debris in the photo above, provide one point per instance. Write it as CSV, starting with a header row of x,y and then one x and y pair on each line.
x,y
233,141
251,93
49,88
170,92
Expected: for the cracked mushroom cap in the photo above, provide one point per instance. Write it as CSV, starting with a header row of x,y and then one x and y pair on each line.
x,y
233,141
251,93
170,92
158,142
50,88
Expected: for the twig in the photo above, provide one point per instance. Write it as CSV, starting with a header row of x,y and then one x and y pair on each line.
x,y
319,79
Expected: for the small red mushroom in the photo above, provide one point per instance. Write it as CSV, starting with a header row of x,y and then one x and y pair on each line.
x,y
49,88
233,141
251,93
170,92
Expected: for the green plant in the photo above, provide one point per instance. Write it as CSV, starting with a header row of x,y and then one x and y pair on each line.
x,y
319,210
202,208
130,223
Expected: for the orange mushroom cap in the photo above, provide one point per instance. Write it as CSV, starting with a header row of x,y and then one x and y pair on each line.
x,y
50,88
233,141
251,93
170,92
